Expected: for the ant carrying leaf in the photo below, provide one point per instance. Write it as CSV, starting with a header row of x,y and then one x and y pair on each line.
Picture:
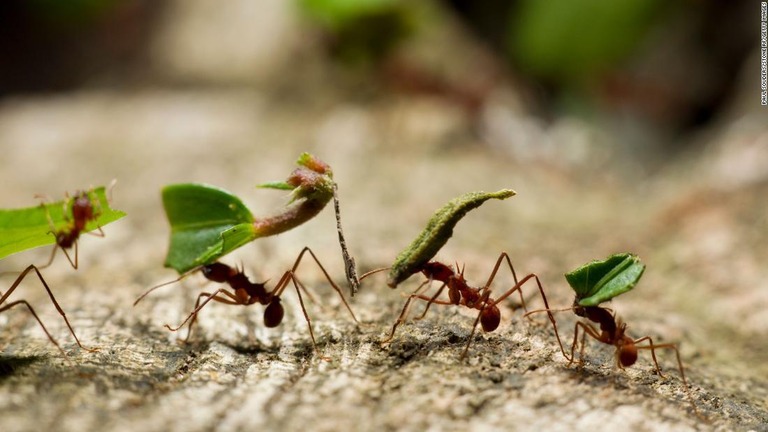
x,y
597,282
416,258
61,223
208,223
243,292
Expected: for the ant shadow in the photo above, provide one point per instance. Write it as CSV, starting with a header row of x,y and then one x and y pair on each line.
x,y
11,365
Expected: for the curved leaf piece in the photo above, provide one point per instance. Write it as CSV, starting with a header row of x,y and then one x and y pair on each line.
x,y
27,228
599,281
208,223
439,229
199,214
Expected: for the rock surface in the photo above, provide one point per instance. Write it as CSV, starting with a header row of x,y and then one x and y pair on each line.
x,y
703,238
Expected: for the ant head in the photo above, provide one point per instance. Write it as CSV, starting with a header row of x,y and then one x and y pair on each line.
x,y
216,272
578,309
490,318
437,271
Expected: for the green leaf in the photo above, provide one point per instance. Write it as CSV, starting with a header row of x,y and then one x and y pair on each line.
x,y
199,214
208,223
279,185
27,228
439,229
599,281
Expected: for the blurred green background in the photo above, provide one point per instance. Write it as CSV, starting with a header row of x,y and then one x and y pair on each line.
x,y
654,70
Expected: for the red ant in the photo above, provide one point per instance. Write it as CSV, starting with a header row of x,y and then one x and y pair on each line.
x,y
461,294
83,211
244,292
613,331
5,307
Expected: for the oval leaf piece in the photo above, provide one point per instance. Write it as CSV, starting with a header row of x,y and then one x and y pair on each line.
x,y
599,281
199,214
439,229
27,228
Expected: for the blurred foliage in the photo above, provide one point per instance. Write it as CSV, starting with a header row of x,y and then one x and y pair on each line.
x,y
71,12
362,31
571,42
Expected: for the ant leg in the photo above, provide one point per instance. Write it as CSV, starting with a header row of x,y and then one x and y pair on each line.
x,y
486,296
141,297
34,314
232,300
50,260
583,346
99,234
431,300
296,284
651,346
374,271
518,287
327,277
404,312
74,264
53,300
587,329
499,260
197,303
289,276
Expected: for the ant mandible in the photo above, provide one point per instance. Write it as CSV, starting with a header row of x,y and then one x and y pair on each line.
x,y
461,294
244,292
4,307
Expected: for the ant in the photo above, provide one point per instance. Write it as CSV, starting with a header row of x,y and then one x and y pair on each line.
x,y
83,211
613,331
461,294
5,307
244,292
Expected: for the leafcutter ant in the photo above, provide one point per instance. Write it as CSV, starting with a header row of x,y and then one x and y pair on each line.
x,y
243,292
460,293
613,331
83,211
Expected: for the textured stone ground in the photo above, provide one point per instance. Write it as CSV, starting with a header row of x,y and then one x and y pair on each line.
x,y
231,96
698,221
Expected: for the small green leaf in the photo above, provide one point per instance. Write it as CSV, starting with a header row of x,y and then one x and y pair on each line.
x,y
199,214
439,229
208,223
599,281
27,228
279,185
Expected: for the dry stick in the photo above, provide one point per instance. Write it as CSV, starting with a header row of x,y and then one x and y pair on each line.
x,y
349,262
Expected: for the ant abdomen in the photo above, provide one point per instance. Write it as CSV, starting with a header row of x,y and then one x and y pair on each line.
x,y
490,318
273,314
627,354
